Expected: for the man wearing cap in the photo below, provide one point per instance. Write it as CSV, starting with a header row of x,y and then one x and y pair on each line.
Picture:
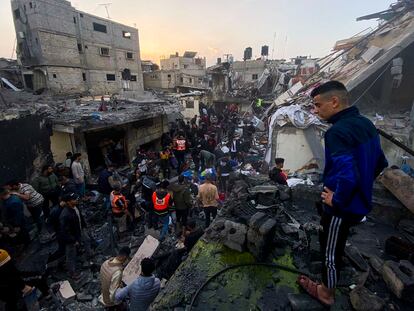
x,y
72,226
111,278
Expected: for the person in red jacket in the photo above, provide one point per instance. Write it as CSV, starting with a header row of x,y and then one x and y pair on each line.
x,y
162,204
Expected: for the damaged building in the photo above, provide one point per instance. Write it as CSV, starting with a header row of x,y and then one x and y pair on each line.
x,y
377,69
68,51
179,74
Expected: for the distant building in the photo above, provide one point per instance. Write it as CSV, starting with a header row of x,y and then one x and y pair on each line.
x,y
179,74
69,52
149,66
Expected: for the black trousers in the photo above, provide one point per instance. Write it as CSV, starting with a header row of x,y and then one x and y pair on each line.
x,y
182,216
332,241
210,210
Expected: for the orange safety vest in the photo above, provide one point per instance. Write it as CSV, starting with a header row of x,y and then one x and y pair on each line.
x,y
115,208
161,205
180,144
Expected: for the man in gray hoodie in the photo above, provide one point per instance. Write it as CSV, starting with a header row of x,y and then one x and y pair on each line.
x,y
143,290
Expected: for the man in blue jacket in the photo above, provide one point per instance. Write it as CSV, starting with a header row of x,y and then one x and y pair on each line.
x,y
354,159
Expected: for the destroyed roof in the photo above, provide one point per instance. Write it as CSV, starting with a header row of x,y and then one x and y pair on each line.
x,y
354,65
82,113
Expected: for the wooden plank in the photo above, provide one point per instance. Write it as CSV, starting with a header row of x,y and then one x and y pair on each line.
x,y
133,269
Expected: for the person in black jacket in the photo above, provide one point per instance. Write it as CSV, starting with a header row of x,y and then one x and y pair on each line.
x,y
54,221
72,232
276,174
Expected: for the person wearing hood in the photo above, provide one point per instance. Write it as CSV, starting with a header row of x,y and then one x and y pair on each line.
x,y
143,290
182,201
111,278
162,204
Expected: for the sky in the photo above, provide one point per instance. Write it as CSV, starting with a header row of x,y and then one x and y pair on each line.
x,y
217,27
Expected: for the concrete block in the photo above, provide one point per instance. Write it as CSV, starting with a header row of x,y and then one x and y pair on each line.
x,y
256,220
355,257
364,300
235,237
267,227
399,278
133,269
401,185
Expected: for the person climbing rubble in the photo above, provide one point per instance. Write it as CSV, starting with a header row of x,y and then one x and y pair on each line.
x,y
353,160
111,279
277,174
143,290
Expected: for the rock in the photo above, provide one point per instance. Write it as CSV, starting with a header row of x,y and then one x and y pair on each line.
x,y
301,302
364,300
234,235
355,257
376,264
260,234
256,220
83,297
399,278
401,185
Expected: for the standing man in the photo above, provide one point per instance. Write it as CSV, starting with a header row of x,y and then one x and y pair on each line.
x,y
209,198
165,163
73,226
143,290
47,185
32,199
111,278
162,203
14,214
180,146
353,160
182,200
276,174
224,169
78,174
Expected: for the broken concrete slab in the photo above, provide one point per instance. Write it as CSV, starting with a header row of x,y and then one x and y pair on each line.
x,y
399,248
401,185
356,258
65,292
376,264
399,278
133,269
363,299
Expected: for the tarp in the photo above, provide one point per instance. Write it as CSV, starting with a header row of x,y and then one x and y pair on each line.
x,y
295,115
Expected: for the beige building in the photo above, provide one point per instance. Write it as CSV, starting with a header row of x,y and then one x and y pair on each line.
x,y
179,74
69,52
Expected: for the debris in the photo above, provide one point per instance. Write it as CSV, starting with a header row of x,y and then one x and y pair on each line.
x,y
133,269
300,302
401,185
234,235
399,248
400,278
355,257
363,299
65,292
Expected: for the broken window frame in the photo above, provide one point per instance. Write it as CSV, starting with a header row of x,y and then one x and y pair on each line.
x,y
133,78
110,77
126,34
129,53
255,76
99,27
101,49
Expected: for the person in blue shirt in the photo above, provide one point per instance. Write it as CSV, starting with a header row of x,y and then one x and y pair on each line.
x,y
353,160
14,213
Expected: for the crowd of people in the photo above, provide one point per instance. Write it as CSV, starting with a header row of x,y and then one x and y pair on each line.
x,y
202,153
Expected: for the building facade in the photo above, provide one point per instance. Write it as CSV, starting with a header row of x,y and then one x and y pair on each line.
x,y
70,52
179,74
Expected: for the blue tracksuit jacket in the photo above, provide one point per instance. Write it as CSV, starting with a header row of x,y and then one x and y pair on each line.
x,y
354,159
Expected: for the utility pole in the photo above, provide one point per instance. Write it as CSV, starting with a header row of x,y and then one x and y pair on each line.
x,y
106,5
273,46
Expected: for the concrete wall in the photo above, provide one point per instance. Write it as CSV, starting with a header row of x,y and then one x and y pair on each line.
x,y
246,69
27,150
65,80
50,34
160,79
189,112
60,144
136,137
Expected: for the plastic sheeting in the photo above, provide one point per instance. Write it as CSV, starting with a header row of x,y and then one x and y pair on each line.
x,y
295,115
